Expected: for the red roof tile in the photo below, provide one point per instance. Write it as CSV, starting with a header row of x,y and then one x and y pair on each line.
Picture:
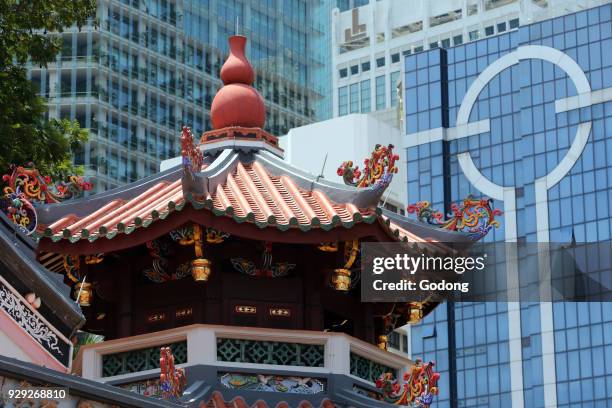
x,y
217,401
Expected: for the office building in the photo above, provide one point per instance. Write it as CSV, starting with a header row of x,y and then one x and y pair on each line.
x,y
370,39
151,66
523,117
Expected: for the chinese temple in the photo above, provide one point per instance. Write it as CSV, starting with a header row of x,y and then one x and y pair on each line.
x,y
38,323
241,269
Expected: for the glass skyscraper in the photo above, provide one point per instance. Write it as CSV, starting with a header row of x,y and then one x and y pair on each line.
x,y
149,66
525,118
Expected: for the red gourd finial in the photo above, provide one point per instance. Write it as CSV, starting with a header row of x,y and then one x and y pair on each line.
x,y
237,103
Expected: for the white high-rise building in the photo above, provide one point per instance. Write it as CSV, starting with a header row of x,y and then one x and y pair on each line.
x,y
370,40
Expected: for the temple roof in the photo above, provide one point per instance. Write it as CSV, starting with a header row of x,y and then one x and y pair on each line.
x,y
243,183
254,187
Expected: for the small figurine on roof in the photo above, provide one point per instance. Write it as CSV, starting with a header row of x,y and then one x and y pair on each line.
x,y
420,386
24,187
172,380
473,216
377,170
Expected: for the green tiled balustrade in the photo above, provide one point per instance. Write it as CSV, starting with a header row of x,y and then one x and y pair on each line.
x,y
270,352
140,360
367,369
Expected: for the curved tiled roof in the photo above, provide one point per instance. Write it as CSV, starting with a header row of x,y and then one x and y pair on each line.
x,y
245,189
244,182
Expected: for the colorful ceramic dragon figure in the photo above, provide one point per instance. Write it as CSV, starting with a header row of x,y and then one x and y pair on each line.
x,y
20,211
172,380
36,188
419,387
475,217
24,187
377,171
192,156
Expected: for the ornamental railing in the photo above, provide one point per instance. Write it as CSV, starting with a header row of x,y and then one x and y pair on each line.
x,y
270,352
369,370
28,321
235,349
135,361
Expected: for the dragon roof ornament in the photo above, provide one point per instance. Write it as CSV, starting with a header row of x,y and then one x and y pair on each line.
x,y
377,170
25,187
192,156
418,389
173,380
476,217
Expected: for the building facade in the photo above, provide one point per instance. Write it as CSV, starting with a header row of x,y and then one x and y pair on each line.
x,y
152,65
524,118
370,39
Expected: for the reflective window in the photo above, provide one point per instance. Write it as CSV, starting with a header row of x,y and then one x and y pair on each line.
x,y
527,139
354,98
365,96
342,100
381,95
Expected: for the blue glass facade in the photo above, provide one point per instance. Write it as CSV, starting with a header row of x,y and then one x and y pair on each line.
x,y
527,131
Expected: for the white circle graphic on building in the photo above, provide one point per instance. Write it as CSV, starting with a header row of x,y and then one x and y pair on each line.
x,y
463,128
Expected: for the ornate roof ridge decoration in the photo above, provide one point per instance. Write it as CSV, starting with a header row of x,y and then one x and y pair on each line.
x,y
378,170
237,103
240,138
192,156
25,187
476,217
37,188
173,380
420,384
